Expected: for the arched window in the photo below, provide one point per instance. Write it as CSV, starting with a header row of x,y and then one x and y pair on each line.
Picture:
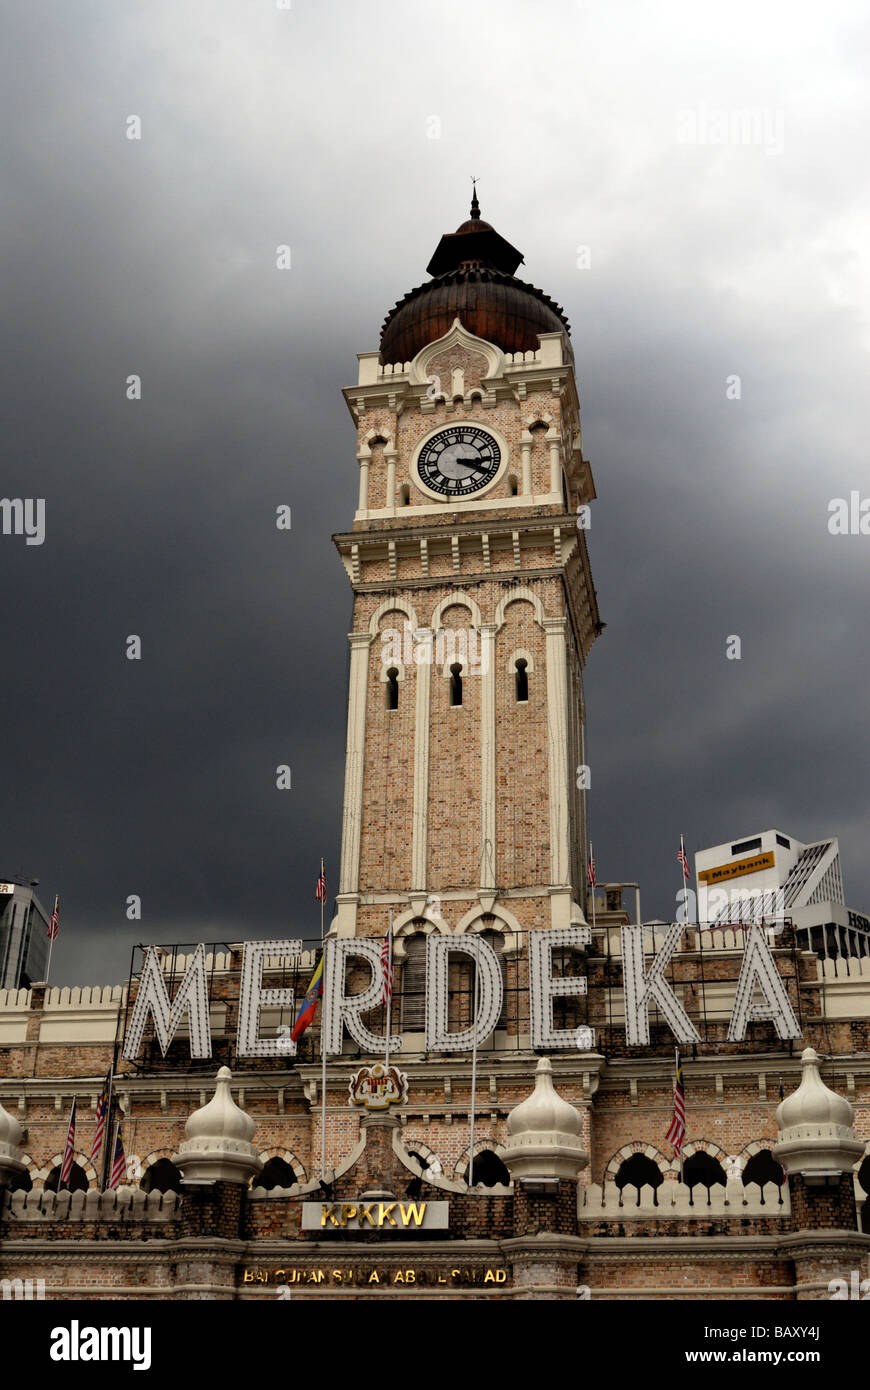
x,y
21,1182
413,982
702,1170
639,1171
404,495
513,485
162,1176
456,684
276,1173
393,688
522,679
78,1180
761,1168
489,1171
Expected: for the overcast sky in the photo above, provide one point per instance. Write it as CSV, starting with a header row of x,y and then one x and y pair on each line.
x,y
348,132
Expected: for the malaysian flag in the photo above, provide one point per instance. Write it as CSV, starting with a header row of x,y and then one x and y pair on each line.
x,y
119,1162
684,860
387,963
677,1132
102,1112
55,919
69,1147
320,890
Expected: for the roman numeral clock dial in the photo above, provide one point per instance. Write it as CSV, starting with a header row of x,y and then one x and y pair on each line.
x,y
458,461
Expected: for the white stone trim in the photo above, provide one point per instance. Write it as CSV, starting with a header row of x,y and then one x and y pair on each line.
x,y
510,929
521,654
457,598
628,1151
557,748
351,828
519,595
488,809
456,336
392,605
410,923
420,804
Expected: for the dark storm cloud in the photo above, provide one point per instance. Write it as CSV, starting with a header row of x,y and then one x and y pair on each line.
x,y
311,127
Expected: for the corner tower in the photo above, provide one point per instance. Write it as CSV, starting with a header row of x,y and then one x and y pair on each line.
x,y
474,609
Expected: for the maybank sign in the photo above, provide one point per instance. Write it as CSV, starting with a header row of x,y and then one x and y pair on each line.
x,y
754,865
760,995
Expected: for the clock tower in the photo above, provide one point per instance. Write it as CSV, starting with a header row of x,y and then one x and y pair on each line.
x,y
474,611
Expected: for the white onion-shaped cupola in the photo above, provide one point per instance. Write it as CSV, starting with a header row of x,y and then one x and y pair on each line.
x,y
816,1135
544,1133
218,1146
11,1136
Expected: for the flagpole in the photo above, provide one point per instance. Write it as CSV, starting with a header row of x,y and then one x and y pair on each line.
x,y
473,1075
52,933
590,874
676,1081
108,1128
390,994
115,1145
322,1047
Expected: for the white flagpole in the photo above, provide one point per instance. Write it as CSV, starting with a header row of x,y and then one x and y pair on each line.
x,y
473,1076
322,1048
388,982
683,879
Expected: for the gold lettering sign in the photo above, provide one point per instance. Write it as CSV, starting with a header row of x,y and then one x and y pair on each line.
x,y
373,1213
738,869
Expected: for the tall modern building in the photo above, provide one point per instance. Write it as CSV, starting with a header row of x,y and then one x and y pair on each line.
x,y
23,935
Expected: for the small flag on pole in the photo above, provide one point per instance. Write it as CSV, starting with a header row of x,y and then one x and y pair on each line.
x,y
102,1112
590,871
677,1132
684,860
309,1003
320,890
69,1147
387,963
119,1162
54,923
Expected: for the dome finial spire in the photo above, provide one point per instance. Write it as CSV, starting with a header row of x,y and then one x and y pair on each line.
x,y
475,205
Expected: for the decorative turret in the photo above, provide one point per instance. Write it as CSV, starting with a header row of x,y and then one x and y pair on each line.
x,y
11,1135
474,280
816,1135
218,1146
544,1134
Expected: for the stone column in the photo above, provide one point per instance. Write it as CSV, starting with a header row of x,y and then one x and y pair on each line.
x,y
544,1154
216,1160
818,1149
557,752
353,778
487,756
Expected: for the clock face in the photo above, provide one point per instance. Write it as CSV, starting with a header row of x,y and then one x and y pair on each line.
x,y
459,460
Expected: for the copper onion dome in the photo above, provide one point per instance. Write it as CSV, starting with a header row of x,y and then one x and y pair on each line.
x,y
474,281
